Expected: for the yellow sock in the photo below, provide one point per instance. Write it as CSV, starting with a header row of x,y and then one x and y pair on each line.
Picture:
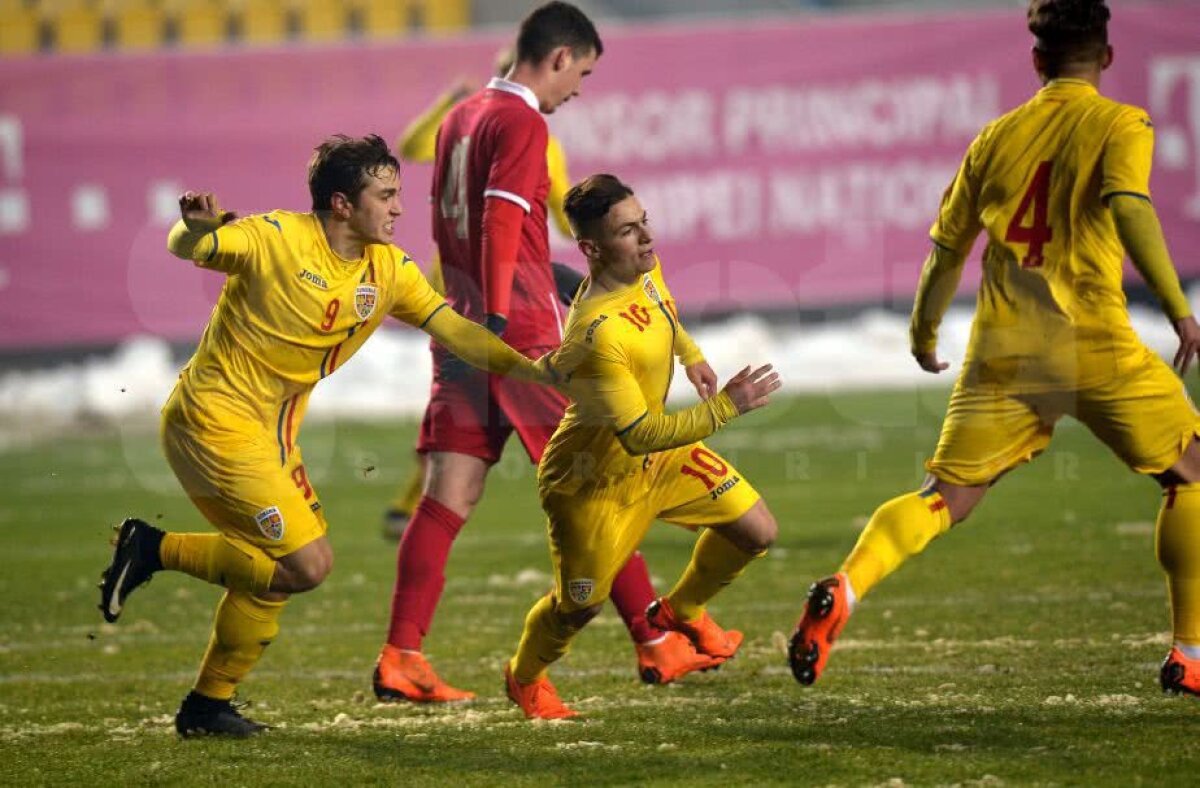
x,y
900,528
212,557
716,562
409,494
546,640
1178,548
243,627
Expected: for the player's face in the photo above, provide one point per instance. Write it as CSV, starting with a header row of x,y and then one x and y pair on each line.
x,y
625,244
373,217
569,72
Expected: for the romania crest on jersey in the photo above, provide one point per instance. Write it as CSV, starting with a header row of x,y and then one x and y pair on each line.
x,y
650,289
364,300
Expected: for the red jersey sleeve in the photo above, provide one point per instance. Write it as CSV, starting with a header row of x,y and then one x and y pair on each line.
x,y
519,160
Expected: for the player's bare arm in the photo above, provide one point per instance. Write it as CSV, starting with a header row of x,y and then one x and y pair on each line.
x,y
200,214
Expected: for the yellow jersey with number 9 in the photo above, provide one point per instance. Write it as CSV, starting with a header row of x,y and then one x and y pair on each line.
x,y
291,312
1050,314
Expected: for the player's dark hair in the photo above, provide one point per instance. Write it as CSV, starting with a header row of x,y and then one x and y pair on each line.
x,y
1069,32
589,201
343,164
554,25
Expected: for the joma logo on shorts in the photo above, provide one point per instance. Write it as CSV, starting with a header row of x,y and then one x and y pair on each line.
x,y
724,487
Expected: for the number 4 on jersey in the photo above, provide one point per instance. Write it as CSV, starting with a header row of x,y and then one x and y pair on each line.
x,y
1039,233
454,190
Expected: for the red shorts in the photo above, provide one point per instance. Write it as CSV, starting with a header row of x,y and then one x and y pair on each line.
x,y
475,415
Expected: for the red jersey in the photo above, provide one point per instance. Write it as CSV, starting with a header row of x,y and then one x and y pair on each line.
x,y
493,144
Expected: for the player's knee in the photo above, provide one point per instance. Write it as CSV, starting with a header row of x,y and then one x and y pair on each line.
x,y
767,531
1186,469
307,572
311,576
457,486
755,531
960,500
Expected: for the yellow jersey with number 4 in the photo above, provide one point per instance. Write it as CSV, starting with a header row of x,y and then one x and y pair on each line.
x,y
1050,313
291,312
617,358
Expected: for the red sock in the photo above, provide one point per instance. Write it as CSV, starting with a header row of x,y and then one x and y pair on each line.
x,y
631,593
420,575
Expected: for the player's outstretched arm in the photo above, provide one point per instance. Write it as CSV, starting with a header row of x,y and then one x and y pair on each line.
x,y
939,281
200,215
746,391
1142,236
482,349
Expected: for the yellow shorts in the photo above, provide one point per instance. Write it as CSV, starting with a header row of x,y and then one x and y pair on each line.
x,y
593,533
1145,417
248,488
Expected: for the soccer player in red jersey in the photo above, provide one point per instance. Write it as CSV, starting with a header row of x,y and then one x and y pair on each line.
x,y
490,184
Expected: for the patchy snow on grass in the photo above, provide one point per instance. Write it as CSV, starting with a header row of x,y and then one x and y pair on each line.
x,y
390,376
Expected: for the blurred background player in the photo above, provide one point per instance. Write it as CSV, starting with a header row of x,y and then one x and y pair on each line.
x,y
1061,186
417,145
618,461
490,185
304,292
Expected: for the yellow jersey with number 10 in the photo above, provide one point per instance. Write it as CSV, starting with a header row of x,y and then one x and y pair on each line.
x,y
1051,314
618,358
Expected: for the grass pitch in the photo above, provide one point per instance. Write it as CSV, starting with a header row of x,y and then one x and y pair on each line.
x,y
1022,648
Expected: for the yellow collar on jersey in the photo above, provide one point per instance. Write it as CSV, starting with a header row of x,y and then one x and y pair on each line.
x,y
1070,84
620,292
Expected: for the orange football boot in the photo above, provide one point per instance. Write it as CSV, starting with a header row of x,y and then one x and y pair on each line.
x,y
706,636
825,614
407,675
1180,674
671,657
539,699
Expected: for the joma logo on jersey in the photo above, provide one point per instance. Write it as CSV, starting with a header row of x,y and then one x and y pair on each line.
x,y
364,301
311,278
592,328
724,487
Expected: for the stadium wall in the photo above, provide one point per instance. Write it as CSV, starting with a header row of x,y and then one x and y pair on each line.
x,y
789,164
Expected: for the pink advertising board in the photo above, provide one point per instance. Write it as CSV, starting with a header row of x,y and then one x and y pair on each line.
x,y
788,163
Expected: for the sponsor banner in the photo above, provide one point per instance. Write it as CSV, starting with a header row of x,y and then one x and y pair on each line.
x,y
789,163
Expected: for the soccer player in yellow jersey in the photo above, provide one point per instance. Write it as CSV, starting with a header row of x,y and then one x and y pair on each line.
x,y
303,291
1060,185
618,460
417,144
